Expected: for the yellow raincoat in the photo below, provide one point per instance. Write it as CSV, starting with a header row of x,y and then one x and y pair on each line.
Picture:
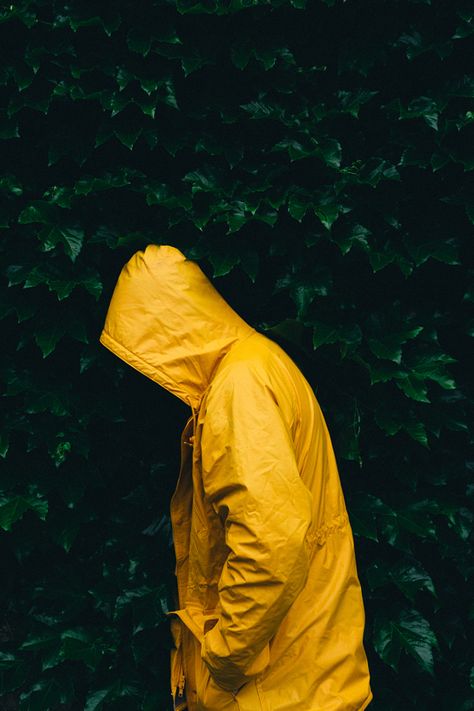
x,y
270,615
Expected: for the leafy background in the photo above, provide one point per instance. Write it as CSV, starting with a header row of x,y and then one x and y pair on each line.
x,y
316,159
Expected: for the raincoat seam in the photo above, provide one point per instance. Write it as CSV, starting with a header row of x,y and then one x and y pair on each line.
x,y
232,349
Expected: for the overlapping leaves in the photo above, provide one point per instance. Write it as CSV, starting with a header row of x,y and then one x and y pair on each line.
x,y
317,158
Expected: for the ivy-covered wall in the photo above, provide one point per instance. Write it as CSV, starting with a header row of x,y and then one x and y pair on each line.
x,y
315,157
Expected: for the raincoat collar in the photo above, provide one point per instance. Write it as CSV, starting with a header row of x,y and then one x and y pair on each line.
x,y
166,320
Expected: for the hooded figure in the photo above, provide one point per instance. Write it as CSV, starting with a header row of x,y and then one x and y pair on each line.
x,y
270,615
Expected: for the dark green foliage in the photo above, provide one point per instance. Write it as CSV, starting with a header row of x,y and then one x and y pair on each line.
x,y
316,158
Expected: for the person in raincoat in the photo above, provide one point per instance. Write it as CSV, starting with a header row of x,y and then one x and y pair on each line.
x,y
270,613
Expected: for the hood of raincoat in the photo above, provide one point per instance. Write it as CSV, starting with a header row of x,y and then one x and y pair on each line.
x,y
167,321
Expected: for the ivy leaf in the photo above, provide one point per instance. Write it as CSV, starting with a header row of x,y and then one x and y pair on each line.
x,y
392,422
234,152
44,694
330,151
432,366
250,263
51,658
23,75
408,631
266,214
390,348
351,101
446,251
236,217
410,577
96,698
298,204
413,386
358,236
417,430
206,179
170,94
325,333
266,56
39,640
417,518
12,509
139,41
24,13
194,61
224,260
261,110
379,259
363,510
377,169
79,646
128,135
240,53
60,195
382,371
8,127
55,279
73,239
60,453
38,211
11,184
425,107
76,22
415,44
327,213
67,535
4,444
304,289
351,337
48,335
7,660
90,184
388,345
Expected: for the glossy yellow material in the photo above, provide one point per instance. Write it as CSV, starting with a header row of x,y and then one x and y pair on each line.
x,y
270,612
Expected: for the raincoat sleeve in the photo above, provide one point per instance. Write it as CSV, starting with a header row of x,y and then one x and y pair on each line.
x,y
251,479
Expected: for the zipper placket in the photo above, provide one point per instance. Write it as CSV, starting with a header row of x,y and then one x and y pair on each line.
x,y
179,684
178,692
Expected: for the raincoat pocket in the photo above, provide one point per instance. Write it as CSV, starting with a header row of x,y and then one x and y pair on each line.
x,y
210,696
196,621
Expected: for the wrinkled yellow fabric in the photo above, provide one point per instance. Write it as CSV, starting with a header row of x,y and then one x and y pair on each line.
x,y
270,615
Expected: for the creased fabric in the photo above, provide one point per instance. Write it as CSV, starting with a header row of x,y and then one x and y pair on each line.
x,y
270,613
